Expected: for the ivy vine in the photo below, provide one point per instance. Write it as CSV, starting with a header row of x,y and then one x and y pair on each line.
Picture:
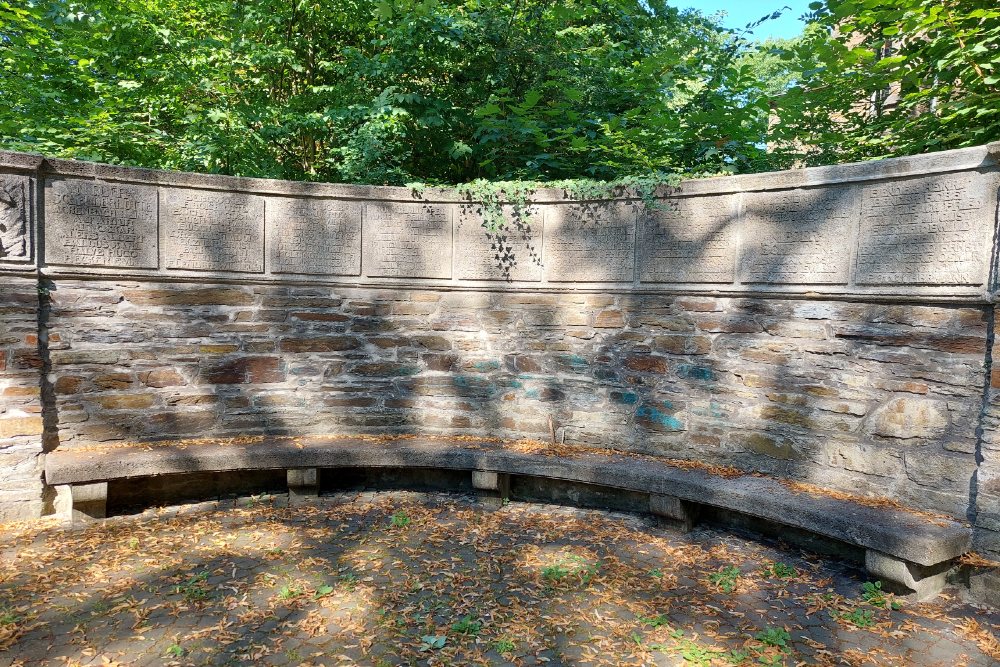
x,y
502,227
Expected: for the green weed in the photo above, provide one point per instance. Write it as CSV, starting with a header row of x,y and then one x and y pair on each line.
x,y
467,625
399,520
871,592
194,589
776,637
726,579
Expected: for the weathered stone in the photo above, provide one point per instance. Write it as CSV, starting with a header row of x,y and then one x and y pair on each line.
x,y
12,427
93,223
212,231
646,364
683,344
244,370
407,240
321,237
609,319
162,377
190,296
126,401
323,344
907,418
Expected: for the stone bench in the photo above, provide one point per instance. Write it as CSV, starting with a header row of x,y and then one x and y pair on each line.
x,y
911,550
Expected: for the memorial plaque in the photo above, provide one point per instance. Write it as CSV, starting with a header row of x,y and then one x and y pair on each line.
x,y
513,252
689,240
213,231
313,236
15,218
934,230
799,237
592,242
404,240
93,223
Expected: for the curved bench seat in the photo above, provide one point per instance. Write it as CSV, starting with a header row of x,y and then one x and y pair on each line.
x,y
907,547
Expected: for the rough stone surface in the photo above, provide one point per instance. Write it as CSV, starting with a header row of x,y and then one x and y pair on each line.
x,y
21,414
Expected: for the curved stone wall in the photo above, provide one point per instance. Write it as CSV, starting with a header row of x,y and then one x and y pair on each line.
x,y
833,325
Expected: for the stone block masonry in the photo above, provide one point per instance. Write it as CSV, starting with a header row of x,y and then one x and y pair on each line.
x,y
834,326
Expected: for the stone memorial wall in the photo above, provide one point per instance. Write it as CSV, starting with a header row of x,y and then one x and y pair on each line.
x,y
831,325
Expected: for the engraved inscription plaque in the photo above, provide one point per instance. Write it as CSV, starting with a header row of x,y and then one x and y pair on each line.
x,y
512,252
799,236
213,231
313,236
593,242
404,240
935,230
689,240
15,218
92,223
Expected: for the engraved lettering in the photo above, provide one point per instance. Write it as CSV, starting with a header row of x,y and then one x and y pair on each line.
x,y
314,236
799,237
213,231
590,242
689,240
404,240
100,224
933,230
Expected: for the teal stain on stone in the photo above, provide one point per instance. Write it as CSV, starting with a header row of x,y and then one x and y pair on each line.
x,y
516,384
669,422
626,397
532,393
486,366
667,405
695,372
573,359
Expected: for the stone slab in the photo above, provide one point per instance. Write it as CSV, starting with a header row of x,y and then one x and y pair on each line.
x,y
513,252
800,237
93,223
689,240
203,230
407,240
313,236
591,242
16,218
934,230
895,532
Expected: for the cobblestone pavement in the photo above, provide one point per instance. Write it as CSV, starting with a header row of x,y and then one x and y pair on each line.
x,y
397,578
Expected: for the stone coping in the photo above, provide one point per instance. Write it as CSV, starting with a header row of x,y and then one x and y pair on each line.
x,y
916,227
909,535
978,157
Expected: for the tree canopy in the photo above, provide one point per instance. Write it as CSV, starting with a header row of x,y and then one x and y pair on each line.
x,y
448,91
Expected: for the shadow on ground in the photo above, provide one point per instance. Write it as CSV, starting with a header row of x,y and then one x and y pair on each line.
x,y
405,578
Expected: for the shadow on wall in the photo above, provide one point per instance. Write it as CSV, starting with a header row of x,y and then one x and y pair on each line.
x,y
862,397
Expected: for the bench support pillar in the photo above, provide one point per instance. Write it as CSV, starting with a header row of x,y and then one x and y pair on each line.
x,y
921,582
87,502
673,508
303,484
492,487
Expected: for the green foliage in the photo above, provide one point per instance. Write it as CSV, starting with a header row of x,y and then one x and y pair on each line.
x,y
892,78
382,91
781,571
776,637
504,645
726,579
871,592
432,642
467,625
195,589
399,520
